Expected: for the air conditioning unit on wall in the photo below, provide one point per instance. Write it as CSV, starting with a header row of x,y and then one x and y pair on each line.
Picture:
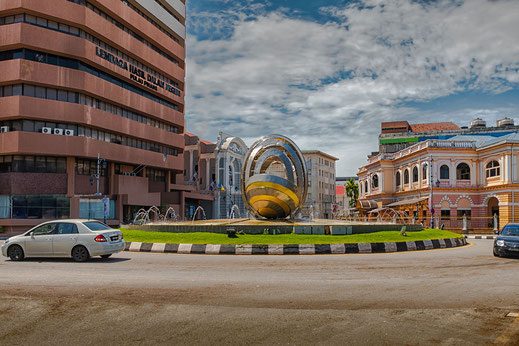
x,y
4,129
58,131
69,132
46,130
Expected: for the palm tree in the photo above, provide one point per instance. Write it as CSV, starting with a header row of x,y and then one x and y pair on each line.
x,y
352,191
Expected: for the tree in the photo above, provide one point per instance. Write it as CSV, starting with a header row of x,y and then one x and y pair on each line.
x,y
352,191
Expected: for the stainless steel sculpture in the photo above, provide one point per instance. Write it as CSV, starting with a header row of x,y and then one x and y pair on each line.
x,y
268,195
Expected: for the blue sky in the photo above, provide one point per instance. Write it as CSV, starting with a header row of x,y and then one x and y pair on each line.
x,y
326,73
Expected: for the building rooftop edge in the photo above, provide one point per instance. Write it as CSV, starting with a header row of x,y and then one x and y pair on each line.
x,y
320,153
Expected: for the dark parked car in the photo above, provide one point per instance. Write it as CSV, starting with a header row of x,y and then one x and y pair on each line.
x,y
507,241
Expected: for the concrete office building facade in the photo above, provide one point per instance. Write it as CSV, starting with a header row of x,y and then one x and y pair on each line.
x,y
320,200
86,78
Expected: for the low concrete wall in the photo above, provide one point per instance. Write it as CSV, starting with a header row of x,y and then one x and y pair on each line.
x,y
277,229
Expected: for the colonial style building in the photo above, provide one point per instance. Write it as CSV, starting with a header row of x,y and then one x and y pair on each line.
x,y
212,176
469,172
229,154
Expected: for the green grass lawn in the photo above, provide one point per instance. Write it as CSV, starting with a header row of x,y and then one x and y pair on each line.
x,y
215,238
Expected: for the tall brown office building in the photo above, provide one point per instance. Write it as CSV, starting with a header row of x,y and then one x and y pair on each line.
x,y
82,78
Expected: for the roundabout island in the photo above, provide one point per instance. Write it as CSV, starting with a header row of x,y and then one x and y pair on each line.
x,y
274,186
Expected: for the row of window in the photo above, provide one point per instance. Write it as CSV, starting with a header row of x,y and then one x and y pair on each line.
x,y
492,169
149,19
326,162
126,29
415,175
35,207
88,132
74,64
155,174
74,31
32,164
74,97
51,164
89,167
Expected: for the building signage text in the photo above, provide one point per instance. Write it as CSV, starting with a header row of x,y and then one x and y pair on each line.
x,y
136,74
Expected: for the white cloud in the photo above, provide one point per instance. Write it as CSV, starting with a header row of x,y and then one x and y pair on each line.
x,y
328,86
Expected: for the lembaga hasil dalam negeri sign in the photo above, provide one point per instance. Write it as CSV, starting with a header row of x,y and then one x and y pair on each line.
x,y
136,73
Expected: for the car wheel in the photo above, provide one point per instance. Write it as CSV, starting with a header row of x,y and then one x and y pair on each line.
x,y
80,253
495,253
15,253
106,256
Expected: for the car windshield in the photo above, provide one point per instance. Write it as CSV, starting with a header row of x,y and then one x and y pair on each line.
x,y
512,231
96,226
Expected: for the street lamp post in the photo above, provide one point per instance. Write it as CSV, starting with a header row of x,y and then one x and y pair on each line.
x,y
97,175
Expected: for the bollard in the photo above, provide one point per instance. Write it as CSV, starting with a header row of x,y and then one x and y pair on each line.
x,y
496,226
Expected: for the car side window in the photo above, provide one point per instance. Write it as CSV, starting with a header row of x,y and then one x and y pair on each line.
x,y
66,228
45,229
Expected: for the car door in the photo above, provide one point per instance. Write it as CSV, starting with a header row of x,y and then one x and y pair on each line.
x,y
64,238
39,243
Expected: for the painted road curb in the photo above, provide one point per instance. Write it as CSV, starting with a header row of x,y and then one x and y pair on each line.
x,y
310,249
481,236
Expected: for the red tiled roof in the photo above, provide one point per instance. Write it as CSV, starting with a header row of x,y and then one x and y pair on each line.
x,y
394,124
340,190
206,142
434,127
189,134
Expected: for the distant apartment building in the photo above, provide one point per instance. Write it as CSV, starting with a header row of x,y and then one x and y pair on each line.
x,y
469,171
320,201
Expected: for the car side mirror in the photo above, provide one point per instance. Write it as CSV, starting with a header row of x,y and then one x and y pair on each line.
x,y
32,235
496,232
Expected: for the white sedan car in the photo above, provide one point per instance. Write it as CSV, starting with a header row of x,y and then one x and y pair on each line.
x,y
79,239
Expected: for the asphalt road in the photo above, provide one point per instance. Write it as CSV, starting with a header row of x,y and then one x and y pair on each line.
x,y
450,297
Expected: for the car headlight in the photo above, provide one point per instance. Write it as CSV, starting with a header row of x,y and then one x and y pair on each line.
x,y
500,243
6,241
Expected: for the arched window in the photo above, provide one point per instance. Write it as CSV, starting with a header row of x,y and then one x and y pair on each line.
x,y
398,179
237,171
444,172
230,176
374,181
221,171
463,172
424,172
492,169
406,177
415,174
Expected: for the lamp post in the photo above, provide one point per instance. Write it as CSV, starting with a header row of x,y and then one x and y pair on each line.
x,y
100,162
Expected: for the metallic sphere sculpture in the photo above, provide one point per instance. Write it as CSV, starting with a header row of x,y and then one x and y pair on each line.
x,y
274,182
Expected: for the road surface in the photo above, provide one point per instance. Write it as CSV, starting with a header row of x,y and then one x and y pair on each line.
x,y
450,297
